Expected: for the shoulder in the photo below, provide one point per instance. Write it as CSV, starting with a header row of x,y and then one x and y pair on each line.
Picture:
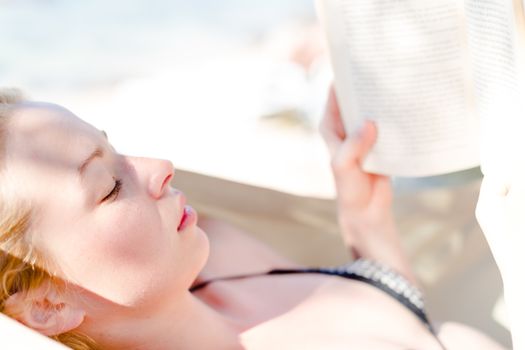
x,y
234,251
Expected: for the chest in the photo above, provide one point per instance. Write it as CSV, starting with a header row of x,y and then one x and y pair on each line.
x,y
306,311
317,311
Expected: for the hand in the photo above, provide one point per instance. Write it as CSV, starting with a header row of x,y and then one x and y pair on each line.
x,y
501,214
364,200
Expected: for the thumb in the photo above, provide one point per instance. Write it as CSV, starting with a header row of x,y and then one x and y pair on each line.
x,y
356,146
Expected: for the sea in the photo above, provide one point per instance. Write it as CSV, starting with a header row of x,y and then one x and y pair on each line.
x,y
46,44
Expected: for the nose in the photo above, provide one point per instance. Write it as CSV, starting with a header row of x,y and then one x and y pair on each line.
x,y
155,174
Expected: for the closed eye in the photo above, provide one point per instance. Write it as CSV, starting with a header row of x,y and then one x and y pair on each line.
x,y
114,192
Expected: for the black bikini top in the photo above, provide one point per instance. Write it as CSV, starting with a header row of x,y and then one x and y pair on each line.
x,y
370,272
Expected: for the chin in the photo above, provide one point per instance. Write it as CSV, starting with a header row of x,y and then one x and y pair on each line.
x,y
205,245
200,251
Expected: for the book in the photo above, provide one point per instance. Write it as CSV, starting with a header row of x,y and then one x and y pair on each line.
x,y
442,79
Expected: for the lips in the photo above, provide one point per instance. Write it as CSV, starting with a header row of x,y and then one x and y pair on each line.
x,y
189,217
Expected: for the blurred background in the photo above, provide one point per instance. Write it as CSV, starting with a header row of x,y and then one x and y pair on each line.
x,y
235,89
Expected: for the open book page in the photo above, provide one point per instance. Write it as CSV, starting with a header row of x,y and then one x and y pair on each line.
x,y
405,65
495,36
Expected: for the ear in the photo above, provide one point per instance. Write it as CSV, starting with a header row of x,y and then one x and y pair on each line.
x,y
44,310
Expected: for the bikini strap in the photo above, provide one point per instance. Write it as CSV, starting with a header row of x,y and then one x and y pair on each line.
x,y
381,277
364,270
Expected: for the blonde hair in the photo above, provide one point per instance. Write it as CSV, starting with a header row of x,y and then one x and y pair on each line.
x,y
22,267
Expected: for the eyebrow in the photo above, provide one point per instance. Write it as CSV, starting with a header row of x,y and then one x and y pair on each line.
x,y
97,153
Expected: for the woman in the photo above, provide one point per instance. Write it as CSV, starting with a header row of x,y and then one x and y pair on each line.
x,y
100,252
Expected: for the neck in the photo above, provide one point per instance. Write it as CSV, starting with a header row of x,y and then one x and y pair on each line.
x,y
177,326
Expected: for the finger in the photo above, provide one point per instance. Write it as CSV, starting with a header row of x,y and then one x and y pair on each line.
x,y
382,191
368,136
332,141
356,147
331,127
334,114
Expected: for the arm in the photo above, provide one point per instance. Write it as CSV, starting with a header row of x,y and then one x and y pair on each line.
x,y
364,200
500,213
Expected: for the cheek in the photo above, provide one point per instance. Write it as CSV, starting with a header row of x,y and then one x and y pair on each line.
x,y
130,233
120,252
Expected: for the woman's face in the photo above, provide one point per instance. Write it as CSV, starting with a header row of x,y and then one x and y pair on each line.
x,y
111,223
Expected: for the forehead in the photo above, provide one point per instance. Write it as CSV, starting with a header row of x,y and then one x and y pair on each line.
x,y
46,140
39,120
47,130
